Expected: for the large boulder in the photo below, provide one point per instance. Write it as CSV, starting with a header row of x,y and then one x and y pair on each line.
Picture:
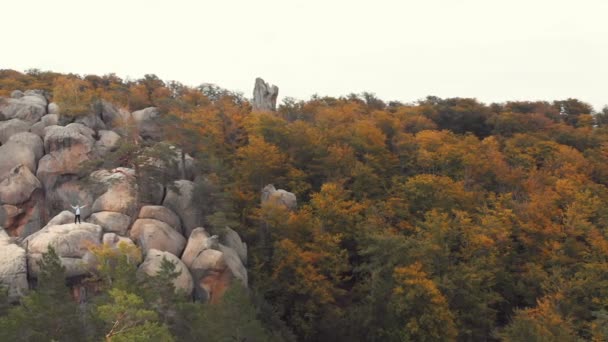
x,y
181,201
18,186
121,195
13,268
30,141
147,123
213,273
71,243
16,94
12,154
9,215
63,217
66,193
45,121
53,108
212,265
198,241
111,221
164,214
114,241
152,266
29,107
264,96
67,148
11,127
279,197
58,138
108,141
109,114
231,239
153,234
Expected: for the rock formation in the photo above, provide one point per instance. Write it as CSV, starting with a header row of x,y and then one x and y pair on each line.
x,y
264,96
41,153
279,197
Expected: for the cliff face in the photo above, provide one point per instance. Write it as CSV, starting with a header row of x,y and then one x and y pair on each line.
x,y
41,159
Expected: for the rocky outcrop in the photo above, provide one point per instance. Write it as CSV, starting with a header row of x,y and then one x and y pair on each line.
x,y
40,161
153,234
147,123
11,127
29,106
264,96
279,197
152,265
13,268
231,239
213,266
111,222
45,121
71,243
181,201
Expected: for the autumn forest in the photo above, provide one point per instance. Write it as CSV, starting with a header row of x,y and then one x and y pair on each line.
x,y
444,219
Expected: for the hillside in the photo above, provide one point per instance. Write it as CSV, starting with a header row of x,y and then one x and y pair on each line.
x,y
321,220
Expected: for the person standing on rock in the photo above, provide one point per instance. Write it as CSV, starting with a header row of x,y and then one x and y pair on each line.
x,y
77,212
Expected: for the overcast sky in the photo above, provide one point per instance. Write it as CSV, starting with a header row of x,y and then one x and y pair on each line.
x,y
401,50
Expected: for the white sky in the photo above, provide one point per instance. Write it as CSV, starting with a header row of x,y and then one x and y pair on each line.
x,y
400,50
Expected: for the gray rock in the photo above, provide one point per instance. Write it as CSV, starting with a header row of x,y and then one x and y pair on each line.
x,y
74,135
198,241
67,193
53,108
147,123
18,186
114,241
108,141
91,121
153,234
233,261
182,203
63,217
11,127
45,121
111,222
28,107
264,96
120,197
158,212
152,266
231,239
13,154
13,269
16,94
30,141
109,114
279,197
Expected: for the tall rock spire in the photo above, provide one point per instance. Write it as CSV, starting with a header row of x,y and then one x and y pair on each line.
x,y
264,96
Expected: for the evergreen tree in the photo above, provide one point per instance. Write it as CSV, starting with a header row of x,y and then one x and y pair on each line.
x,y
48,312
